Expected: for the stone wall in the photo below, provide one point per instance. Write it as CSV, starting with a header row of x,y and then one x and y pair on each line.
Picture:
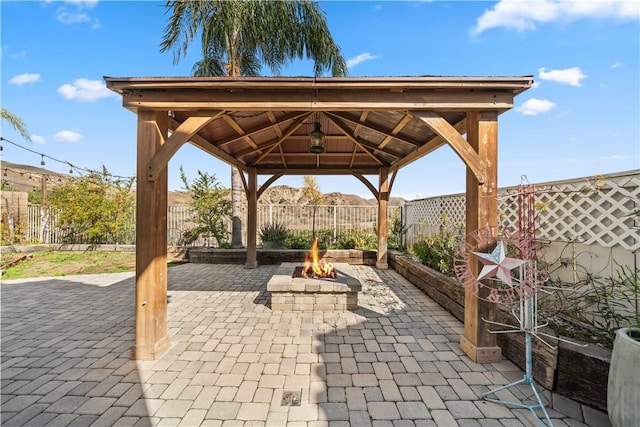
x,y
201,255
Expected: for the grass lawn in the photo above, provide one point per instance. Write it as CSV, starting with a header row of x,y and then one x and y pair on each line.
x,y
49,263
63,263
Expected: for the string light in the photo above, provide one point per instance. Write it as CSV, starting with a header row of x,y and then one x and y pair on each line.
x,y
71,166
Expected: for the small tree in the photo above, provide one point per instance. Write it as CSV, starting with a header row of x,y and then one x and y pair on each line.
x,y
311,192
211,206
96,206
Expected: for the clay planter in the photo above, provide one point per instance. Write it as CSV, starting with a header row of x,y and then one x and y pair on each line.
x,y
623,391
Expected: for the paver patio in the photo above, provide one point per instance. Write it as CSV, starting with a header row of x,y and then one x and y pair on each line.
x,y
395,361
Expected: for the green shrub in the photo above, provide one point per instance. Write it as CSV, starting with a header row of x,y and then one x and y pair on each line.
x,y
397,232
345,239
356,239
438,251
274,232
298,240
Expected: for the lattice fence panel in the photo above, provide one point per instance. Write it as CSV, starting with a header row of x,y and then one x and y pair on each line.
x,y
596,211
592,210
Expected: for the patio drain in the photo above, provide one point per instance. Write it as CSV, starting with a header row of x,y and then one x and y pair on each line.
x,y
291,398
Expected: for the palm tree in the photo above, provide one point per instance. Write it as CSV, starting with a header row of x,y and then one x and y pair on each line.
x,y
311,192
15,122
239,36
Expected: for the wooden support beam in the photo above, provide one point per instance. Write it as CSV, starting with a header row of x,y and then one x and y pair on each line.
x,y
241,132
210,148
273,124
455,140
383,213
481,212
151,241
345,100
356,141
294,127
401,124
322,171
394,173
268,183
367,184
178,138
243,179
252,219
364,124
428,147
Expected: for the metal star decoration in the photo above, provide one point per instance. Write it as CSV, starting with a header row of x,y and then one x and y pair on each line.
x,y
496,264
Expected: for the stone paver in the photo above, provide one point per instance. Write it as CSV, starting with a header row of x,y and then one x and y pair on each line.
x,y
393,362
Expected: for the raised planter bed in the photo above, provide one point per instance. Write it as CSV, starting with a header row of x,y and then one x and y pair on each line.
x,y
578,373
200,255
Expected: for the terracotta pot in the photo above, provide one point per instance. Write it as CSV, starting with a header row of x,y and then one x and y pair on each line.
x,y
623,390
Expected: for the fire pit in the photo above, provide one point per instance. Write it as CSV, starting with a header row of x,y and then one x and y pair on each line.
x,y
300,293
314,286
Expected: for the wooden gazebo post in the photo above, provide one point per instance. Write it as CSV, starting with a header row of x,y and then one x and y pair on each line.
x,y
252,218
151,240
383,212
481,211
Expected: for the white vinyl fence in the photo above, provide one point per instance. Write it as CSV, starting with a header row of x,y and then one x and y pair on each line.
x,y
294,217
592,210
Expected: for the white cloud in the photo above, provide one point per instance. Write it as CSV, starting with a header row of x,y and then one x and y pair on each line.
x,y
85,90
19,55
526,15
76,13
89,4
67,136
67,17
37,139
617,64
571,76
352,62
533,107
21,79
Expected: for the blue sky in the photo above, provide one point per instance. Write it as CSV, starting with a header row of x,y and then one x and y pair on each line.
x,y
581,118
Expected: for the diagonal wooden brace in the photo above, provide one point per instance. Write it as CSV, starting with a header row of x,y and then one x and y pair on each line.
x,y
460,145
178,138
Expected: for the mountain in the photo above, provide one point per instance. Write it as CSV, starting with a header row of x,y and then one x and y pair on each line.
x,y
27,178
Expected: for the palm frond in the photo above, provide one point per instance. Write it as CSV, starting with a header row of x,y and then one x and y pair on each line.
x,y
247,33
15,122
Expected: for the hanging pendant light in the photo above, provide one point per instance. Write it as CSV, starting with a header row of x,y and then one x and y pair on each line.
x,y
316,139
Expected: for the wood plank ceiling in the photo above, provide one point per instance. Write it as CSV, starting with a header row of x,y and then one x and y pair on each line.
x,y
369,123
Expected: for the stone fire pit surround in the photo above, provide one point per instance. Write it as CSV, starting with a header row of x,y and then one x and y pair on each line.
x,y
314,294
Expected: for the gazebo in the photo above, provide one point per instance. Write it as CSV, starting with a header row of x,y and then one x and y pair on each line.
x,y
279,126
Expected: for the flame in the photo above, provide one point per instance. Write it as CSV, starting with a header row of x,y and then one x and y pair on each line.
x,y
316,267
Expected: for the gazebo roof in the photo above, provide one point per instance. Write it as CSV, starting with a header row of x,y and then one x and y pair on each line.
x,y
369,123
